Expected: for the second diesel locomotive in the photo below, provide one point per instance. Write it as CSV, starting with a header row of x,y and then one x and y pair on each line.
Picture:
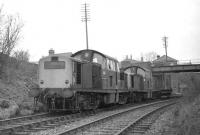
x,y
87,79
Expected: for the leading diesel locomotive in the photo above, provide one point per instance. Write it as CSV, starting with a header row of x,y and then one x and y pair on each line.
x,y
87,79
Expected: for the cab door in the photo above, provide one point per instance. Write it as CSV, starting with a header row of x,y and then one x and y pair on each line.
x,y
96,76
77,74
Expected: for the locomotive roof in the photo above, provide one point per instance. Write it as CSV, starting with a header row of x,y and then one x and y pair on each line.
x,y
94,51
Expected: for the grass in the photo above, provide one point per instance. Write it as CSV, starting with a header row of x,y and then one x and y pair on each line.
x,y
15,84
187,112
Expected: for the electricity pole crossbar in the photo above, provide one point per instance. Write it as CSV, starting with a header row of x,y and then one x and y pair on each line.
x,y
86,18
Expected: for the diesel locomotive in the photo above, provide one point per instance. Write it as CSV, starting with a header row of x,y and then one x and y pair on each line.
x,y
88,79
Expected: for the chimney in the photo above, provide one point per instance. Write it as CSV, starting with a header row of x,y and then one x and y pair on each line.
x,y
131,56
126,57
51,52
142,59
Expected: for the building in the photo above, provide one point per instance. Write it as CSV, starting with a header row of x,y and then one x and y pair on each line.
x,y
127,62
164,60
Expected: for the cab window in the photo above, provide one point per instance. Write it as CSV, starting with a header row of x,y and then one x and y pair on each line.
x,y
110,64
97,58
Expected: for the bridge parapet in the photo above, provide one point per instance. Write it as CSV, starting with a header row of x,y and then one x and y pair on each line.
x,y
177,68
188,62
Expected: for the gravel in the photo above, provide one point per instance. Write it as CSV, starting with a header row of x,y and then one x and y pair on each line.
x,y
74,124
162,126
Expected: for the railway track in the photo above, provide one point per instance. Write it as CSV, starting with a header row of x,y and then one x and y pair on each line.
x,y
143,123
119,122
18,119
36,123
27,124
9,125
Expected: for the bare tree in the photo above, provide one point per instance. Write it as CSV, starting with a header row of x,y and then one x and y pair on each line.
x,y
10,28
21,55
150,56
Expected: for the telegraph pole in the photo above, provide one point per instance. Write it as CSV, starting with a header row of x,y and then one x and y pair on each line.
x,y
85,18
165,44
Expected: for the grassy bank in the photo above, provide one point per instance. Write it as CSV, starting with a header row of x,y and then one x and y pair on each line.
x,y
15,83
186,114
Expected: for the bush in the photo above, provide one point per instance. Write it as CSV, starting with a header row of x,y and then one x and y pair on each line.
x,y
186,117
187,111
4,104
9,108
25,112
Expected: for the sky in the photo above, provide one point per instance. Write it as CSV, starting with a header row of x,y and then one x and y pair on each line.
x,y
117,27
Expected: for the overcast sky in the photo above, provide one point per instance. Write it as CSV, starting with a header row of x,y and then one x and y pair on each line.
x,y
117,27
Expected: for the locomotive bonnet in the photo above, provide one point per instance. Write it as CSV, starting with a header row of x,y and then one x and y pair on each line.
x,y
55,75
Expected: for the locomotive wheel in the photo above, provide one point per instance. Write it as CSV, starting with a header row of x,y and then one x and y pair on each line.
x,y
88,105
131,98
123,99
139,98
96,105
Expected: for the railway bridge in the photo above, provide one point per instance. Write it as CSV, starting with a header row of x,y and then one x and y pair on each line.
x,y
170,75
176,68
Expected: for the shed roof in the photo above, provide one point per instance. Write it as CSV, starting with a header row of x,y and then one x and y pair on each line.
x,y
163,59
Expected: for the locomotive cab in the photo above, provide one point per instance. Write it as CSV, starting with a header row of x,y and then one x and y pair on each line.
x,y
105,69
138,82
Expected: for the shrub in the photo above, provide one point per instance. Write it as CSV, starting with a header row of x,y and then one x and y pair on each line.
x,y
4,104
10,110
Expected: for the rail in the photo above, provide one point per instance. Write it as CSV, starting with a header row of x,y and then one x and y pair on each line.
x,y
136,127
84,126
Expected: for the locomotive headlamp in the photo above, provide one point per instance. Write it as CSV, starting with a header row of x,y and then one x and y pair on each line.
x,y
67,81
41,82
